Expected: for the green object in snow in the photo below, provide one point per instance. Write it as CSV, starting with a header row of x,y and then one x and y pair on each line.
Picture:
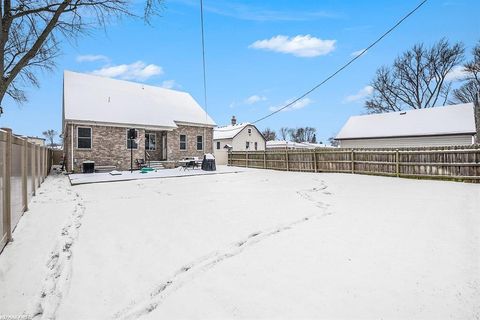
x,y
146,170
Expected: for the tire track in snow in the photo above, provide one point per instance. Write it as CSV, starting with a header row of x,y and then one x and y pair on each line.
x,y
190,271
57,280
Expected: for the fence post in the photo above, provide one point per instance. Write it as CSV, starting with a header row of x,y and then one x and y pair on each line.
x,y
38,168
32,164
246,159
352,158
7,217
24,174
264,159
397,160
286,158
315,160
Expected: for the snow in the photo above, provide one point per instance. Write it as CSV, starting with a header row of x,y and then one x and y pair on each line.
x,y
83,178
230,131
257,244
128,103
455,119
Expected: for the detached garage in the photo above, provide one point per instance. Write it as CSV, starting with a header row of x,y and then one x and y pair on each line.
x,y
440,126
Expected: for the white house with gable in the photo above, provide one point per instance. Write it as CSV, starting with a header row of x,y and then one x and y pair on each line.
x,y
439,126
236,137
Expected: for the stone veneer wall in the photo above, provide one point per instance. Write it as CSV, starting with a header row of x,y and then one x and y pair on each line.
x,y
173,142
109,146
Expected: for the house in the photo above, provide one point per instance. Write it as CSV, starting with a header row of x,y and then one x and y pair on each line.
x,y
291,145
440,126
236,137
98,112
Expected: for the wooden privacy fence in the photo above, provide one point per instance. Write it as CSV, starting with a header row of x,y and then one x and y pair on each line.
x,y
449,163
23,167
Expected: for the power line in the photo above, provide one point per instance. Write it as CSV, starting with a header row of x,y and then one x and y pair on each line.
x,y
203,61
343,66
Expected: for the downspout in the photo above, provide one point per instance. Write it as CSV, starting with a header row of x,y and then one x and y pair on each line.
x,y
71,146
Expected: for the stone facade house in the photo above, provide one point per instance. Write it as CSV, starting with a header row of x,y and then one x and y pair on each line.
x,y
236,137
97,113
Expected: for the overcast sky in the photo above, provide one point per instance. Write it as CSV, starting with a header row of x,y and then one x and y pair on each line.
x,y
260,55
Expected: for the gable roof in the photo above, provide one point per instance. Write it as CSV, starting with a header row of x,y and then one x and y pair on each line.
x,y
447,120
229,132
98,99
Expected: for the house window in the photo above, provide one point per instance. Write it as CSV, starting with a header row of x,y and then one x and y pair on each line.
x,y
84,138
256,146
183,142
150,141
249,130
131,143
218,145
247,145
199,142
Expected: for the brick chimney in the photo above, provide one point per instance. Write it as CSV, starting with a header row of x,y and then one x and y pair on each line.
x,y
234,120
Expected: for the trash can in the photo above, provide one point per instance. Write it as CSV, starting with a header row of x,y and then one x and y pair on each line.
x,y
208,163
88,166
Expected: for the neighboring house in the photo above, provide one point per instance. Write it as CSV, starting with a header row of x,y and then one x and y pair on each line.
x,y
236,137
291,145
439,126
37,140
97,113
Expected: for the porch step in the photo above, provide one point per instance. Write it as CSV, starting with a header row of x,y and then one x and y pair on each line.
x,y
156,165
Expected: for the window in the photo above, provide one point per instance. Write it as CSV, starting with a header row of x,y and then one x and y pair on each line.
x,y
183,142
199,142
218,145
131,144
247,145
84,138
150,141
249,130
256,146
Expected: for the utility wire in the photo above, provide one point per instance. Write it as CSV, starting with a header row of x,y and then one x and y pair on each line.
x,y
203,62
342,67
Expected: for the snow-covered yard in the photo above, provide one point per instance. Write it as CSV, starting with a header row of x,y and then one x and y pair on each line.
x,y
254,244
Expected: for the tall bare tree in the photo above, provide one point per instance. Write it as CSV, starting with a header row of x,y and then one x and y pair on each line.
x,y
50,135
269,134
468,91
284,133
31,32
418,78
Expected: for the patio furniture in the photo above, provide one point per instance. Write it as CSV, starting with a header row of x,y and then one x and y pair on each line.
x,y
190,163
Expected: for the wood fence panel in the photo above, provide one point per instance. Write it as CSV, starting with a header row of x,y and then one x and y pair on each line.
x,y
23,167
451,163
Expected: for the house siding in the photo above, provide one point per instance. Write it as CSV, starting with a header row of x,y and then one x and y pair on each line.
x,y
238,143
399,142
109,146
173,142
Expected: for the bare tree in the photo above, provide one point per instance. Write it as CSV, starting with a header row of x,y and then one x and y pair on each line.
x,y
417,79
469,90
31,32
306,134
473,67
284,133
50,136
269,134
466,93
333,142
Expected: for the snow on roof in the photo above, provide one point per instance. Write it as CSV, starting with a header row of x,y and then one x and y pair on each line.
x,y
99,99
455,119
228,132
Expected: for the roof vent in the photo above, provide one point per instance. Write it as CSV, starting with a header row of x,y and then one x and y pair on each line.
x,y
402,113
